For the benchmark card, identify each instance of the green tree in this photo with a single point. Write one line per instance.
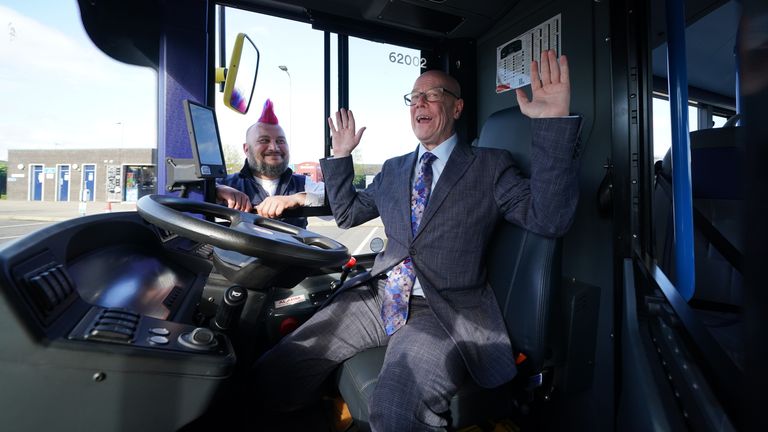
(233, 158)
(359, 181)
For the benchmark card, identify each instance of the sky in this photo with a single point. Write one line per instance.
(58, 91)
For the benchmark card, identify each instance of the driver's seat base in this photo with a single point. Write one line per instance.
(471, 405)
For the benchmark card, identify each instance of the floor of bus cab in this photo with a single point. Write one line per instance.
(330, 414)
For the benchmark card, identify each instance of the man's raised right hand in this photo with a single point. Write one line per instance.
(345, 138)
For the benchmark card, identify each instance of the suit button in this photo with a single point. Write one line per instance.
(412, 251)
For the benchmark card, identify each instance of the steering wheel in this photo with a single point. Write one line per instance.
(248, 233)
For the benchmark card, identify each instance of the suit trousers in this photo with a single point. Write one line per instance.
(422, 367)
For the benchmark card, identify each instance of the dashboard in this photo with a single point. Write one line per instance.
(100, 312)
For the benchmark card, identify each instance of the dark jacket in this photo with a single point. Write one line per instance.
(289, 184)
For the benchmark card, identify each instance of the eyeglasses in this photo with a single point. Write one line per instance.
(431, 95)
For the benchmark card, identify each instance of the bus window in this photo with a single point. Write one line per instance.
(380, 74)
(291, 75)
(718, 120)
(662, 130)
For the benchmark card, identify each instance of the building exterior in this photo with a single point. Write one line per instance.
(106, 175)
(311, 170)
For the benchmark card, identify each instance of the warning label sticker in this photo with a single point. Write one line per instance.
(513, 59)
(290, 300)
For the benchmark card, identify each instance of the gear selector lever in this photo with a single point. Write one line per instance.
(230, 308)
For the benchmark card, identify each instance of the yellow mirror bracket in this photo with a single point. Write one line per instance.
(221, 75)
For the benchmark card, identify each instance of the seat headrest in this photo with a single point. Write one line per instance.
(716, 138)
(717, 163)
(717, 158)
(509, 129)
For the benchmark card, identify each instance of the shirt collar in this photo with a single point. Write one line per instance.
(442, 151)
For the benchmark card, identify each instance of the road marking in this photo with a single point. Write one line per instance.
(365, 242)
(23, 225)
(8, 238)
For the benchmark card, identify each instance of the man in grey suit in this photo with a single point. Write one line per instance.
(453, 325)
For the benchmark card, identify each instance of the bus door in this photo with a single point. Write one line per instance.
(89, 182)
(36, 182)
(63, 182)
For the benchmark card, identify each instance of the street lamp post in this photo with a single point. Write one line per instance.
(122, 134)
(290, 99)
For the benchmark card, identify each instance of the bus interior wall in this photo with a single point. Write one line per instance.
(587, 247)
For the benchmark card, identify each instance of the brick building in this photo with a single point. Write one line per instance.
(84, 174)
(310, 169)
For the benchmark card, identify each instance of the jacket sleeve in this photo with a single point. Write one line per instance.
(349, 206)
(545, 203)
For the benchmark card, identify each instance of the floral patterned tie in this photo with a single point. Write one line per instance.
(397, 290)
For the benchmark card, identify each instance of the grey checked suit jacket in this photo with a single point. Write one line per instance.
(477, 188)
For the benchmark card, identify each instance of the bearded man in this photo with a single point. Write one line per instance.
(266, 184)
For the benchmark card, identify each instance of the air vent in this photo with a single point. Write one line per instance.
(170, 299)
(49, 287)
(410, 15)
(205, 251)
(165, 235)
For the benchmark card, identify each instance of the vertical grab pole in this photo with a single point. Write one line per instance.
(682, 202)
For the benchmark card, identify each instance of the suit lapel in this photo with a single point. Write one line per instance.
(457, 165)
(403, 189)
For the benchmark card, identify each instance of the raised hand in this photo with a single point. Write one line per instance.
(551, 93)
(345, 138)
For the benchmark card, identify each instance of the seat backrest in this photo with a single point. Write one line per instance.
(524, 268)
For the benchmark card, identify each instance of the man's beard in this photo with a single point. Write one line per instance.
(261, 168)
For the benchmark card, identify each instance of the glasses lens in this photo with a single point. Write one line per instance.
(435, 94)
(408, 99)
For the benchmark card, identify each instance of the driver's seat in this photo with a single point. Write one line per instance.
(524, 271)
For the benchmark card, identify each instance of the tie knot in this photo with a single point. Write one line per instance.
(427, 158)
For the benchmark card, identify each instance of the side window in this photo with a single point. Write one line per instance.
(379, 75)
(718, 120)
(662, 129)
(290, 75)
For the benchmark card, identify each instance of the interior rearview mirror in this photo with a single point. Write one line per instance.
(240, 78)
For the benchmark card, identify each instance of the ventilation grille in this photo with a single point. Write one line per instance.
(165, 235)
(410, 15)
(49, 288)
(205, 251)
(170, 299)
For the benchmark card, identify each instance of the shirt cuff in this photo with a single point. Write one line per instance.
(313, 199)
